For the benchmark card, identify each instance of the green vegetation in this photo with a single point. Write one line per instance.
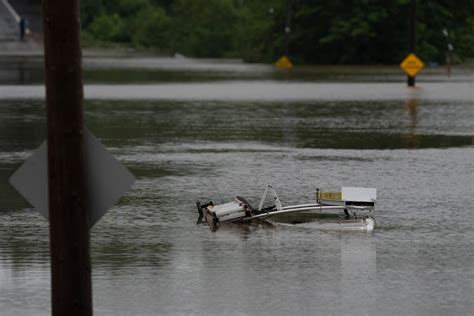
(322, 32)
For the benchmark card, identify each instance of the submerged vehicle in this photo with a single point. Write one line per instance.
(350, 209)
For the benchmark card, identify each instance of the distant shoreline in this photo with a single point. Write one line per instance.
(134, 54)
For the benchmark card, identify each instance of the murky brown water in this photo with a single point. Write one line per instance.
(150, 258)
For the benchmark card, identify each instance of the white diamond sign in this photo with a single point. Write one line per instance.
(107, 179)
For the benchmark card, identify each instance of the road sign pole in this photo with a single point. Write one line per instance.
(411, 79)
(289, 13)
(284, 62)
(68, 216)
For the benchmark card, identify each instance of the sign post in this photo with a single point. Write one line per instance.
(411, 79)
(412, 65)
(71, 179)
(284, 61)
(71, 282)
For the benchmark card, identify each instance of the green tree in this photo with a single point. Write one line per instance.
(90, 9)
(323, 31)
(150, 28)
(203, 28)
(454, 17)
(259, 30)
(107, 27)
(357, 31)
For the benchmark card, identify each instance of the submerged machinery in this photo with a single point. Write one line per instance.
(351, 208)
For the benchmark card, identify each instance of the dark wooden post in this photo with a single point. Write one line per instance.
(68, 216)
(410, 79)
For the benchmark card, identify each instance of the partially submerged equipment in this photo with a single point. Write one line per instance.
(350, 208)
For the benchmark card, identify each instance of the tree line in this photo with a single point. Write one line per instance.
(321, 32)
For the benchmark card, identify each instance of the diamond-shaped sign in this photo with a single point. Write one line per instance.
(284, 63)
(107, 179)
(411, 65)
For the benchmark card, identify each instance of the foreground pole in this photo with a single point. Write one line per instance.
(68, 217)
(410, 79)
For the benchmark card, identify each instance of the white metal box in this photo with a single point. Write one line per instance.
(359, 194)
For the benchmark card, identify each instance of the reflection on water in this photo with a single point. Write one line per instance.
(150, 258)
(410, 106)
(256, 91)
(359, 266)
(357, 125)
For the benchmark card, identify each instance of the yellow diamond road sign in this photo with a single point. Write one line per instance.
(284, 63)
(411, 65)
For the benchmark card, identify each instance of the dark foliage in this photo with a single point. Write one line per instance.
(323, 31)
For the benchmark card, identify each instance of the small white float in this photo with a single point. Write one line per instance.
(349, 209)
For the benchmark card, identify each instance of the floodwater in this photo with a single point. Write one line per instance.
(416, 146)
